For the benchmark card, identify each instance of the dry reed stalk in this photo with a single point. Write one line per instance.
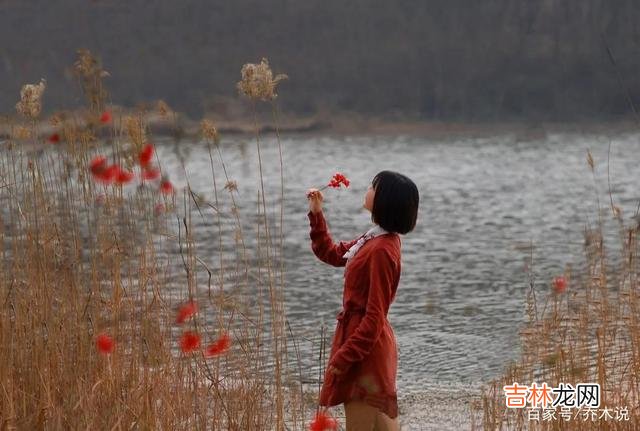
(80, 258)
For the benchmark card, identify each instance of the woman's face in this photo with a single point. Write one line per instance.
(368, 198)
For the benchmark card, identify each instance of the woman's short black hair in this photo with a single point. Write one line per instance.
(395, 203)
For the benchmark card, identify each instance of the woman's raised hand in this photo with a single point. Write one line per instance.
(315, 198)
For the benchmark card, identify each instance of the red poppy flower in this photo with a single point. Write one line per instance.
(189, 342)
(341, 178)
(186, 310)
(219, 346)
(105, 117)
(98, 165)
(105, 344)
(159, 209)
(150, 173)
(54, 138)
(559, 284)
(123, 177)
(101, 171)
(108, 174)
(323, 421)
(145, 155)
(166, 187)
(338, 179)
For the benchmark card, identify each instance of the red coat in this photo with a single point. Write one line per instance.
(364, 345)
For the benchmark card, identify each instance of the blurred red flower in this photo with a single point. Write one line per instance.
(559, 284)
(186, 310)
(108, 174)
(105, 344)
(145, 155)
(323, 421)
(150, 173)
(123, 177)
(98, 164)
(189, 342)
(105, 117)
(219, 346)
(54, 138)
(166, 187)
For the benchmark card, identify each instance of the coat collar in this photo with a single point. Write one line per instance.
(371, 233)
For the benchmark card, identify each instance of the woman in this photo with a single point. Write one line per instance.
(363, 361)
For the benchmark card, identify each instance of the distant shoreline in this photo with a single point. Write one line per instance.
(346, 124)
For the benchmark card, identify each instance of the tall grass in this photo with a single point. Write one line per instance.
(588, 333)
(79, 258)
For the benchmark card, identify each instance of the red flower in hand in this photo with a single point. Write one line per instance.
(339, 178)
(219, 346)
(105, 344)
(105, 117)
(145, 155)
(186, 311)
(336, 180)
(323, 421)
(189, 342)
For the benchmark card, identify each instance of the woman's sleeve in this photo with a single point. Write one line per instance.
(322, 243)
(384, 278)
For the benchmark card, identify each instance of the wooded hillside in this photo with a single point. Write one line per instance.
(436, 59)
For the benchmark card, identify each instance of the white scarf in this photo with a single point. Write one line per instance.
(371, 233)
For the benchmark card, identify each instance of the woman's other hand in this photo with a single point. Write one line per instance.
(315, 198)
(334, 370)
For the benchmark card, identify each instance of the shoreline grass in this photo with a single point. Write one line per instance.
(586, 332)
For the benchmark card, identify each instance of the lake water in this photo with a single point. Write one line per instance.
(482, 200)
